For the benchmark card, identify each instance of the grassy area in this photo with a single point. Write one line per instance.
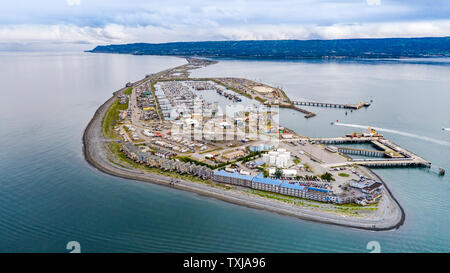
(355, 209)
(343, 174)
(350, 208)
(261, 100)
(190, 160)
(212, 150)
(226, 187)
(354, 205)
(249, 157)
(287, 198)
(110, 118)
(128, 91)
(285, 96)
(308, 167)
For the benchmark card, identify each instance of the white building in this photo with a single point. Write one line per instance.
(279, 158)
(287, 173)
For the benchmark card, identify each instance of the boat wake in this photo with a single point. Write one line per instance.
(425, 138)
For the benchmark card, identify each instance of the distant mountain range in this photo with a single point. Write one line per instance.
(291, 49)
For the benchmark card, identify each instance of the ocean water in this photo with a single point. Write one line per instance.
(49, 195)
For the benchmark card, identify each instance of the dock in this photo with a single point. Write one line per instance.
(307, 113)
(391, 154)
(342, 140)
(363, 152)
(332, 105)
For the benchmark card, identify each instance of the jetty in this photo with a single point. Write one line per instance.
(332, 105)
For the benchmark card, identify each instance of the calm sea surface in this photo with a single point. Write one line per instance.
(49, 195)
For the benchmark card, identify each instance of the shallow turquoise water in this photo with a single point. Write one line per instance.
(49, 195)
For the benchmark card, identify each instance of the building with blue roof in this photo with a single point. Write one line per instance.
(260, 182)
(293, 189)
(295, 186)
(318, 189)
(233, 178)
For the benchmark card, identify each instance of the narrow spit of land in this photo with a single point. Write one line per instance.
(389, 214)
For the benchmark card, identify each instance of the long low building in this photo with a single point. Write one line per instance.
(260, 182)
(232, 178)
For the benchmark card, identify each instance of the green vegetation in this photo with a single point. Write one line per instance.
(352, 208)
(128, 91)
(327, 176)
(226, 187)
(212, 150)
(288, 49)
(307, 167)
(288, 199)
(284, 95)
(261, 100)
(278, 173)
(110, 118)
(270, 195)
(297, 160)
(249, 157)
(310, 177)
(344, 174)
(190, 160)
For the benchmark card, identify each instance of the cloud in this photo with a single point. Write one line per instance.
(115, 33)
(115, 21)
(73, 2)
(373, 2)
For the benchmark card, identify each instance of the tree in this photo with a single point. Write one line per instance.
(327, 176)
(278, 173)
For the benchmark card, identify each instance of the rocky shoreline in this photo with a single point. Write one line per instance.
(390, 215)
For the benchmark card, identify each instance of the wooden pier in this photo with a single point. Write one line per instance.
(342, 140)
(332, 105)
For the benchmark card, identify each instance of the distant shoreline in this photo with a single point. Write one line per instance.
(286, 58)
(371, 48)
(97, 155)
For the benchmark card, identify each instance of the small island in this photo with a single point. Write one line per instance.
(221, 137)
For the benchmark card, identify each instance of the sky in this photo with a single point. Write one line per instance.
(50, 24)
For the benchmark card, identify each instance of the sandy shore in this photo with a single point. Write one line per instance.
(390, 214)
